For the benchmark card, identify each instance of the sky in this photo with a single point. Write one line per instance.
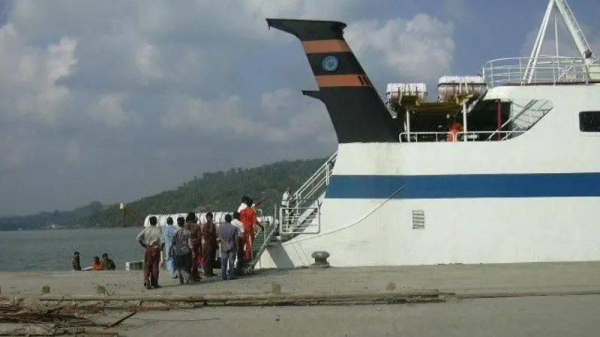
(112, 101)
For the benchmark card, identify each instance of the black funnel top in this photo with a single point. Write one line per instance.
(356, 110)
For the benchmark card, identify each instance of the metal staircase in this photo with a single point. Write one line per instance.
(302, 216)
(525, 119)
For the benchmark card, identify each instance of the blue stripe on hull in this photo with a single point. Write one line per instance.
(466, 186)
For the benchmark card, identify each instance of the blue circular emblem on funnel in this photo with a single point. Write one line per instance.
(330, 63)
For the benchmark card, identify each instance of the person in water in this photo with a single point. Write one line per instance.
(76, 261)
(108, 264)
(97, 265)
(151, 239)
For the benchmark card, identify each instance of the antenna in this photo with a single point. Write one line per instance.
(562, 8)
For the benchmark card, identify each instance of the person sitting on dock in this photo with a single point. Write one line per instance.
(169, 232)
(192, 226)
(107, 264)
(97, 265)
(151, 239)
(209, 245)
(228, 234)
(76, 261)
(181, 252)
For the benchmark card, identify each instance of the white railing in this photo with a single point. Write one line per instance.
(471, 136)
(478, 136)
(425, 137)
(314, 186)
(300, 220)
(303, 206)
(541, 70)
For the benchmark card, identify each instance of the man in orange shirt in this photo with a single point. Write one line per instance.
(249, 219)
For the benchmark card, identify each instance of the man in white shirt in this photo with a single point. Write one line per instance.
(151, 239)
(285, 199)
(240, 244)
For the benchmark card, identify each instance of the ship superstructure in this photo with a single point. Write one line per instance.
(502, 168)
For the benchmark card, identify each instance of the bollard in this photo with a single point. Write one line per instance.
(320, 259)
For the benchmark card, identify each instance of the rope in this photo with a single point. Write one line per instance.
(356, 222)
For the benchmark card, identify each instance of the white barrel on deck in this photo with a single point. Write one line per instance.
(395, 91)
(450, 86)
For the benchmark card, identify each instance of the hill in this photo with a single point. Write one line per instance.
(218, 191)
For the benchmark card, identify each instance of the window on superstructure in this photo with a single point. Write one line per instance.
(589, 121)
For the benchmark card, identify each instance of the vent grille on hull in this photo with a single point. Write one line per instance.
(418, 219)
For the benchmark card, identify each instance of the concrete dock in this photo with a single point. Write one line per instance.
(543, 299)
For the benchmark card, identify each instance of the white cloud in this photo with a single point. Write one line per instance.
(420, 49)
(298, 117)
(146, 58)
(30, 76)
(284, 116)
(108, 110)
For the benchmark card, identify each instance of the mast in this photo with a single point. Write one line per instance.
(562, 9)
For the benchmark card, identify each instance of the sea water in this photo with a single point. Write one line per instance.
(53, 249)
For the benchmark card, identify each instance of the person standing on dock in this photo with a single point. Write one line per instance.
(151, 239)
(191, 225)
(228, 234)
(240, 242)
(249, 219)
(181, 252)
(209, 245)
(169, 233)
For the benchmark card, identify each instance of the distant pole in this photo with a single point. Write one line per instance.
(122, 207)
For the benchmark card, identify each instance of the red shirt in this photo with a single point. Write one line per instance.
(248, 218)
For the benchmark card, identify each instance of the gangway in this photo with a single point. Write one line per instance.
(301, 216)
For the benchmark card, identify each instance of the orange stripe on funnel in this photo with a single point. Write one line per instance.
(343, 81)
(325, 46)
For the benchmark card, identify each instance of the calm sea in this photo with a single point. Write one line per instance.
(53, 249)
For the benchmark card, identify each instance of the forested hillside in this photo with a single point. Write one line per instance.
(218, 191)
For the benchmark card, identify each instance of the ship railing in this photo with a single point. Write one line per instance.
(471, 136)
(543, 70)
(478, 136)
(300, 220)
(425, 137)
(314, 186)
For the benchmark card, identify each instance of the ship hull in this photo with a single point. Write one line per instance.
(534, 198)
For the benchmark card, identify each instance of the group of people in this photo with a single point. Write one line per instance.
(97, 265)
(185, 247)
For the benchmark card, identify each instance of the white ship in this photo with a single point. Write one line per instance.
(503, 168)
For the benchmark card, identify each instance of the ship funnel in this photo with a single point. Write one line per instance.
(357, 112)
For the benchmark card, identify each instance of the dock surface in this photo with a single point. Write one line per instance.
(540, 299)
